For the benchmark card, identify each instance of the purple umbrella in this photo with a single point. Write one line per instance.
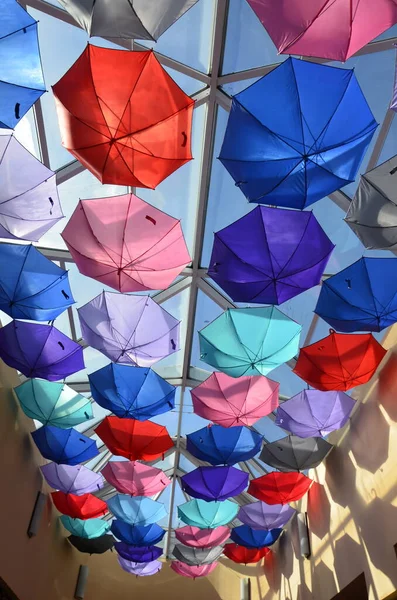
(29, 202)
(314, 413)
(40, 350)
(260, 515)
(140, 569)
(72, 479)
(142, 554)
(214, 483)
(129, 329)
(270, 255)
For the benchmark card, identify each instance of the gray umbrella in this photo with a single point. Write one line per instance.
(197, 556)
(131, 19)
(293, 453)
(372, 214)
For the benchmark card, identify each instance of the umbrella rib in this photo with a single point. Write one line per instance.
(96, 93)
(238, 358)
(255, 267)
(32, 367)
(132, 91)
(384, 309)
(341, 297)
(20, 272)
(299, 106)
(233, 408)
(167, 118)
(246, 349)
(100, 244)
(45, 289)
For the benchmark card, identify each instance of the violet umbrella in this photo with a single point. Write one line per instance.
(133, 247)
(228, 401)
(129, 329)
(215, 483)
(29, 202)
(260, 515)
(269, 255)
(140, 569)
(197, 556)
(142, 554)
(72, 479)
(314, 413)
(39, 350)
(192, 571)
(202, 538)
(135, 478)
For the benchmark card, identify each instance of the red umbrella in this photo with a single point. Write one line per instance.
(242, 555)
(86, 506)
(123, 117)
(339, 361)
(280, 488)
(135, 440)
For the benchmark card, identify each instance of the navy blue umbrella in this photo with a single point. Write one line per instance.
(137, 535)
(223, 446)
(138, 393)
(138, 554)
(64, 446)
(245, 536)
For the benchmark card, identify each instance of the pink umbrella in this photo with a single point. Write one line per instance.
(135, 478)
(202, 538)
(333, 29)
(228, 401)
(192, 571)
(126, 243)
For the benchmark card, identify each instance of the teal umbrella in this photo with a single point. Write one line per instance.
(53, 403)
(207, 515)
(249, 341)
(89, 529)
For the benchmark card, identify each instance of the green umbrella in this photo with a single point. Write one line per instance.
(88, 529)
(207, 515)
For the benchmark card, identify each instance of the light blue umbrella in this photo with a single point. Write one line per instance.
(249, 341)
(88, 529)
(136, 510)
(207, 515)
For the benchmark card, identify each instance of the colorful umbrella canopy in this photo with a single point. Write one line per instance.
(142, 554)
(295, 157)
(324, 28)
(214, 483)
(313, 413)
(31, 286)
(269, 255)
(244, 535)
(136, 535)
(220, 446)
(40, 350)
(202, 538)
(85, 506)
(372, 213)
(133, 439)
(192, 571)
(135, 478)
(242, 555)
(132, 330)
(339, 361)
(135, 511)
(64, 446)
(97, 545)
(134, 247)
(132, 20)
(21, 73)
(138, 393)
(72, 479)
(357, 299)
(197, 556)
(279, 488)
(134, 127)
(140, 569)
(26, 184)
(88, 529)
(294, 453)
(249, 341)
(53, 403)
(207, 515)
(230, 402)
(259, 515)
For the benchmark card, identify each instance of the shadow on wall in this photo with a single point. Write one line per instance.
(318, 510)
(369, 445)
(324, 584)
(387, 387)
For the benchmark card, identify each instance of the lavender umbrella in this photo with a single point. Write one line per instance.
(314, 413)
(143, 554)
(129, 329)
(40, 350)
(29, 202)
(72, 479)
(214, 483)
(260, 515)
(140, 569)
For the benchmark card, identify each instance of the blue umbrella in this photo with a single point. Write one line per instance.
(136, 535)
(31, 286)
(245, 536)
(138, 393)
(64, 446)
(297, 134)
(21, 74)
(138, 554)
(136, 510)
(362, 297)
(223, 446)
(88, 529)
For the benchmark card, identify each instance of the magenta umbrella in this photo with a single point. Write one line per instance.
(202, 538)
(192, 571)
(135, 478)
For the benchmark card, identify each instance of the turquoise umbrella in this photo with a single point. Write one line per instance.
(89, 529)
(136, 510)
(53, 403)
(249, 341)
(207, 515)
